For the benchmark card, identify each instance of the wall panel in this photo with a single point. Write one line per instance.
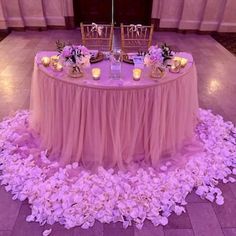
(192, 14)
(32, 12)
(228, 22)
(13, 13)
(213, 13)
(54, 12)
(203, 15)
(170, 13)
(3, 22)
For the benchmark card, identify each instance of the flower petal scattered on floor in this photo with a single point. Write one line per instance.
(47, 232)
(58, 195)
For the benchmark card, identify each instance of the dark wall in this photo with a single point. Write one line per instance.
(125, 11)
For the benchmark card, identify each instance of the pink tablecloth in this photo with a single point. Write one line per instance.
(113, 122)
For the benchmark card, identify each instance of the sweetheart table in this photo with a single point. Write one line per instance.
(113, 122)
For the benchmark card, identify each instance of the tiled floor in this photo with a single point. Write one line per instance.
(217, 91)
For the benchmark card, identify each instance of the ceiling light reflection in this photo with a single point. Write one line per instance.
(7, 88)
(214, 86)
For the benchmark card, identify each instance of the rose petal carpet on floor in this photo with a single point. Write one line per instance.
(74, 196)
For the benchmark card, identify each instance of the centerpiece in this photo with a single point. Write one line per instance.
(75, 58)
(155, 59)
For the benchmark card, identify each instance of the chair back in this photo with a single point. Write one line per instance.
(96, 36)
(136, 37)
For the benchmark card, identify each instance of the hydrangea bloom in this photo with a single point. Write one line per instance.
(154, 56)
(76, 54)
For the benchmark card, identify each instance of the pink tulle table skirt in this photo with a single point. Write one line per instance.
(113, 122)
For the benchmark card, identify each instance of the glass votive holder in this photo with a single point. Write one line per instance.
(96, 73)
(183, 62)
(54, 58)
(45, 61)
(137, 74)
(59, 67)
(174, 69)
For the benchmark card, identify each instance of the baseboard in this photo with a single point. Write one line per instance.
(209, 25)
(189, 24)
(15, 22)
(169, 23)
(35, 21)
(37, 28)
(16, 28)
(55, 20)
(56, 27)
(227, 27)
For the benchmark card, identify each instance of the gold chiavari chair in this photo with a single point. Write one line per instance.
(97, 36)
(136, 37)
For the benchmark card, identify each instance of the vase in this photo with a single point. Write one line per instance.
(157, 71)
(115, 64)
(74, 71)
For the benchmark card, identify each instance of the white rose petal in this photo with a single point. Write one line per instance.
(232, 180)
(220, 200)
(163, 221)
(163, 168)
(210, 197)
(47, 232)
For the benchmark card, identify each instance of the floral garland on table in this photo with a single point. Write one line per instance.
(77, 56)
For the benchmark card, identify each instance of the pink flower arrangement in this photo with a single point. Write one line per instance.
(76, 55)
(153, 56)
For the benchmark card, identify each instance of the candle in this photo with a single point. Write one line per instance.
(54, 58)
(96, 72)
(174, 69)
(59, 67)
(45, 61)
(183, 62)
(180, 60)
(137, 74)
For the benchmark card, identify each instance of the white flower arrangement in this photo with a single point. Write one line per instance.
(157, 55)
(153, 56)
(76, 56)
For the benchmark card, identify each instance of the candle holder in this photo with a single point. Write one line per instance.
(45, 61)
(176, 65)
(96, 73)
(157, 71)
(181, 61)
(54, 58)
(137, 74)
(59, 67)
(174, 69)
(184, 62)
